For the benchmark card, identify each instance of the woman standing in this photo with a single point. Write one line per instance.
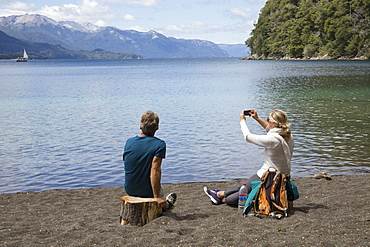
(278, 144)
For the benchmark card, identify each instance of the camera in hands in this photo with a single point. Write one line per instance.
(247, 112)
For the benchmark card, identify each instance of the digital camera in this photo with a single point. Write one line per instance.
(247, 112)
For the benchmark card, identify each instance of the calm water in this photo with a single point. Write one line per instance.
(64, 123)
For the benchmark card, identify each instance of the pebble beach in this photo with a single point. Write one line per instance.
(328, 213)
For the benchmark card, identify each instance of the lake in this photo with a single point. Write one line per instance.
(64, 122)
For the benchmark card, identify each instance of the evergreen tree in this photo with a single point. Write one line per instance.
(311, 28)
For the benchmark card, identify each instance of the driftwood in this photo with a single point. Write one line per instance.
(322, 175)
(138, 211)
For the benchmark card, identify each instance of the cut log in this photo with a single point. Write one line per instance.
(138, 211)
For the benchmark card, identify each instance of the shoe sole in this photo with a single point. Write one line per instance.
(211, 197)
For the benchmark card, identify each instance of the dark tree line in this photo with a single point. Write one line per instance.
(312, 28)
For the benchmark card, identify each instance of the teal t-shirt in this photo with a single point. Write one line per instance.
(138, 156)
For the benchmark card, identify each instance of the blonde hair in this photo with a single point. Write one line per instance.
(149, 122)
(281, 119)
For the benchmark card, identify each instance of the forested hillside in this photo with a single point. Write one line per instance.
(11, 48)
(312, 28)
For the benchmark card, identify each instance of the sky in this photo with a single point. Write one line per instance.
(219, 21)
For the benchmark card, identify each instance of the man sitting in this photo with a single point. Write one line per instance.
(142, 157)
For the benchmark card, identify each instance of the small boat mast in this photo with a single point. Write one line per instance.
(24, 58)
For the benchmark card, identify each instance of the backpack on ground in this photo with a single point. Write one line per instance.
(270, 197)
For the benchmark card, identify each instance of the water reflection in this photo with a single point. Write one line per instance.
(330, 116)
(65, 126)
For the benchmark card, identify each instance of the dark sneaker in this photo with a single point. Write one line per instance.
(171, 199)
(212, 194)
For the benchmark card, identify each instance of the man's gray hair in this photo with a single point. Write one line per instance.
(149, 123)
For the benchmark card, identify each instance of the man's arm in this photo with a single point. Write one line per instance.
(155, 180)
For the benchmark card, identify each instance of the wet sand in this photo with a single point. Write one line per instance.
(328, 213)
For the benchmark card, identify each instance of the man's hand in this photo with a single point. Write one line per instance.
(155, 180)
(162, 203)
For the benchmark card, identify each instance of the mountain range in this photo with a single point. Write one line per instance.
(69, 37)
(11, 48)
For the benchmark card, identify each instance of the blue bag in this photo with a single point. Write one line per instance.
(292, 191)
(249, 203)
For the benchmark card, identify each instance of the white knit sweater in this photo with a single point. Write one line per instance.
(278, 152)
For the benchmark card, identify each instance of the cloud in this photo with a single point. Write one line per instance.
(139, 29)
(255, 1)
(197, 27)
(88, 11)
(193, 27)
(129, 17)
(16, 8)
(100, 23)
(146, 3)
(15, 5)
(240, 12)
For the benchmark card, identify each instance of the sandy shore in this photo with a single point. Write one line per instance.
(329, 213)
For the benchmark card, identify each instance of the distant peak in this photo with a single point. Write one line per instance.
(83, 27)
(31, 20)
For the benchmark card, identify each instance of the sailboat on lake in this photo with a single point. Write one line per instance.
(24, 58)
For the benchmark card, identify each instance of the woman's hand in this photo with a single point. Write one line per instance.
(242, 116)
(253, 114)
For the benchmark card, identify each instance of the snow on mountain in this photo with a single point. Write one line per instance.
(83, 27)
(91, 27)
(86, 36)
(28, 20)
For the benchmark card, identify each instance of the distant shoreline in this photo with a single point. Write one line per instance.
(325, 57)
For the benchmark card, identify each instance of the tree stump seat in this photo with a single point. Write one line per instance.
(138, 211)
